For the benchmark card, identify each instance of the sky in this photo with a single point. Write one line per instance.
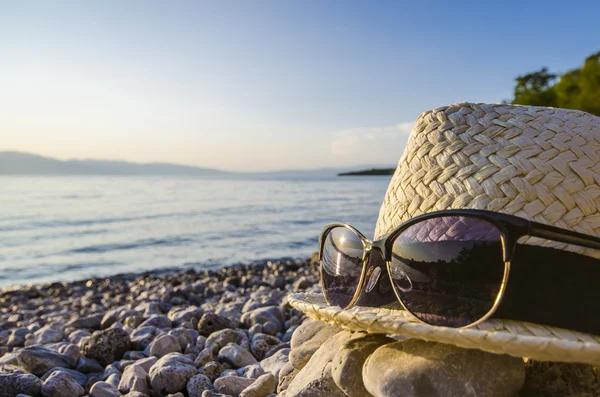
(263, 85)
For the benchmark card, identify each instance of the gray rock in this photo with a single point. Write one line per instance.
(135, 394)
(236, 356)
(12, 384)
(312, 331)
(112, 316)
(39, 359)
(184, 336)
(47, 334)
(219, 339)
(71, 351)
(211, 393)
(17, 337)
(315, 378)
(232, 385)
(164, 344)
(158, 321)
(265, 315)
(143, 336)
(347, 364)
(211, 322)
(274, 363)
(134, 378)
(114, 379)
(78, 377)
(171, 373)
(88, 366)
(251, 371)
(89, 322)
(59, 384)
(107, 346)
(307, 339)
(261, 387)
(104, 389)
(421, 368)
(146, 363)
(198, 384)
(203, 357)
(9, 359)
(261, 344)
(212, 369)
(180, 314)
(286, 376)
(78, 335)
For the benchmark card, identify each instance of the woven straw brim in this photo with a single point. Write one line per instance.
(515, 338)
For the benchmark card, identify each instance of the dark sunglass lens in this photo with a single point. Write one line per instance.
(448, 270)
(341, 265)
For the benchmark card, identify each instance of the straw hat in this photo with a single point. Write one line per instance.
(538, 163)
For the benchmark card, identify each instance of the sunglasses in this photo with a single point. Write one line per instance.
(447, 268)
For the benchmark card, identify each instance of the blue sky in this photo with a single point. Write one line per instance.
(263, 85)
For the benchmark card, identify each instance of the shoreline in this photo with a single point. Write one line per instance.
(90, 331)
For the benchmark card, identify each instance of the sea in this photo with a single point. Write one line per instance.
(59, 229)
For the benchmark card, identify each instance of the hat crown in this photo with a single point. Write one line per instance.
(538, 163)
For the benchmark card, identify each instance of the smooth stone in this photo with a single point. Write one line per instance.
(261, 344)
(347, 365)
(146, 363)
(89, 322)
(236, 356)
(286, 376)
(180, 314)
(198, 384)
(71, 351)
(47, 334)
(88, 366)
(59, 384)
(262, 386)
(205, 356)
(211, 393)
(313, 331)
(12, 384)
(164, 344)
(78, 335)
(107, 346)
(39, 359)
(158, 321)
(114, 379)
(171, 373)
(217, 340)
(184, 336)
(104, 389)
(211, 322)
(264, 315)
(135, 394)
(251, 371)
(75, 375)
(212, 369)
(143, 336)
(232, 385)
(17, 337)
(134, 378)
(9, 359)
(421, 368)
(274, 363)
(315, 378)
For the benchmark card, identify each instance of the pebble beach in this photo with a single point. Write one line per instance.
(232, 332)
(191, 333)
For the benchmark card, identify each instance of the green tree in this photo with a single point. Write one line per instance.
(576, 89)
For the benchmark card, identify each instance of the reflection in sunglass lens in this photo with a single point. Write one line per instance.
(448, 270)
(341, 265)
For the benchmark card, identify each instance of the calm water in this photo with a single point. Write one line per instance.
(67, 228)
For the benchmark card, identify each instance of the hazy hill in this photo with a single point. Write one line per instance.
(18, 163)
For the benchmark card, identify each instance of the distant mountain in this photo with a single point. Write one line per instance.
(18, 163)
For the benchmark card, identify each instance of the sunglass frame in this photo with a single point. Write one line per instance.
(511, 229)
